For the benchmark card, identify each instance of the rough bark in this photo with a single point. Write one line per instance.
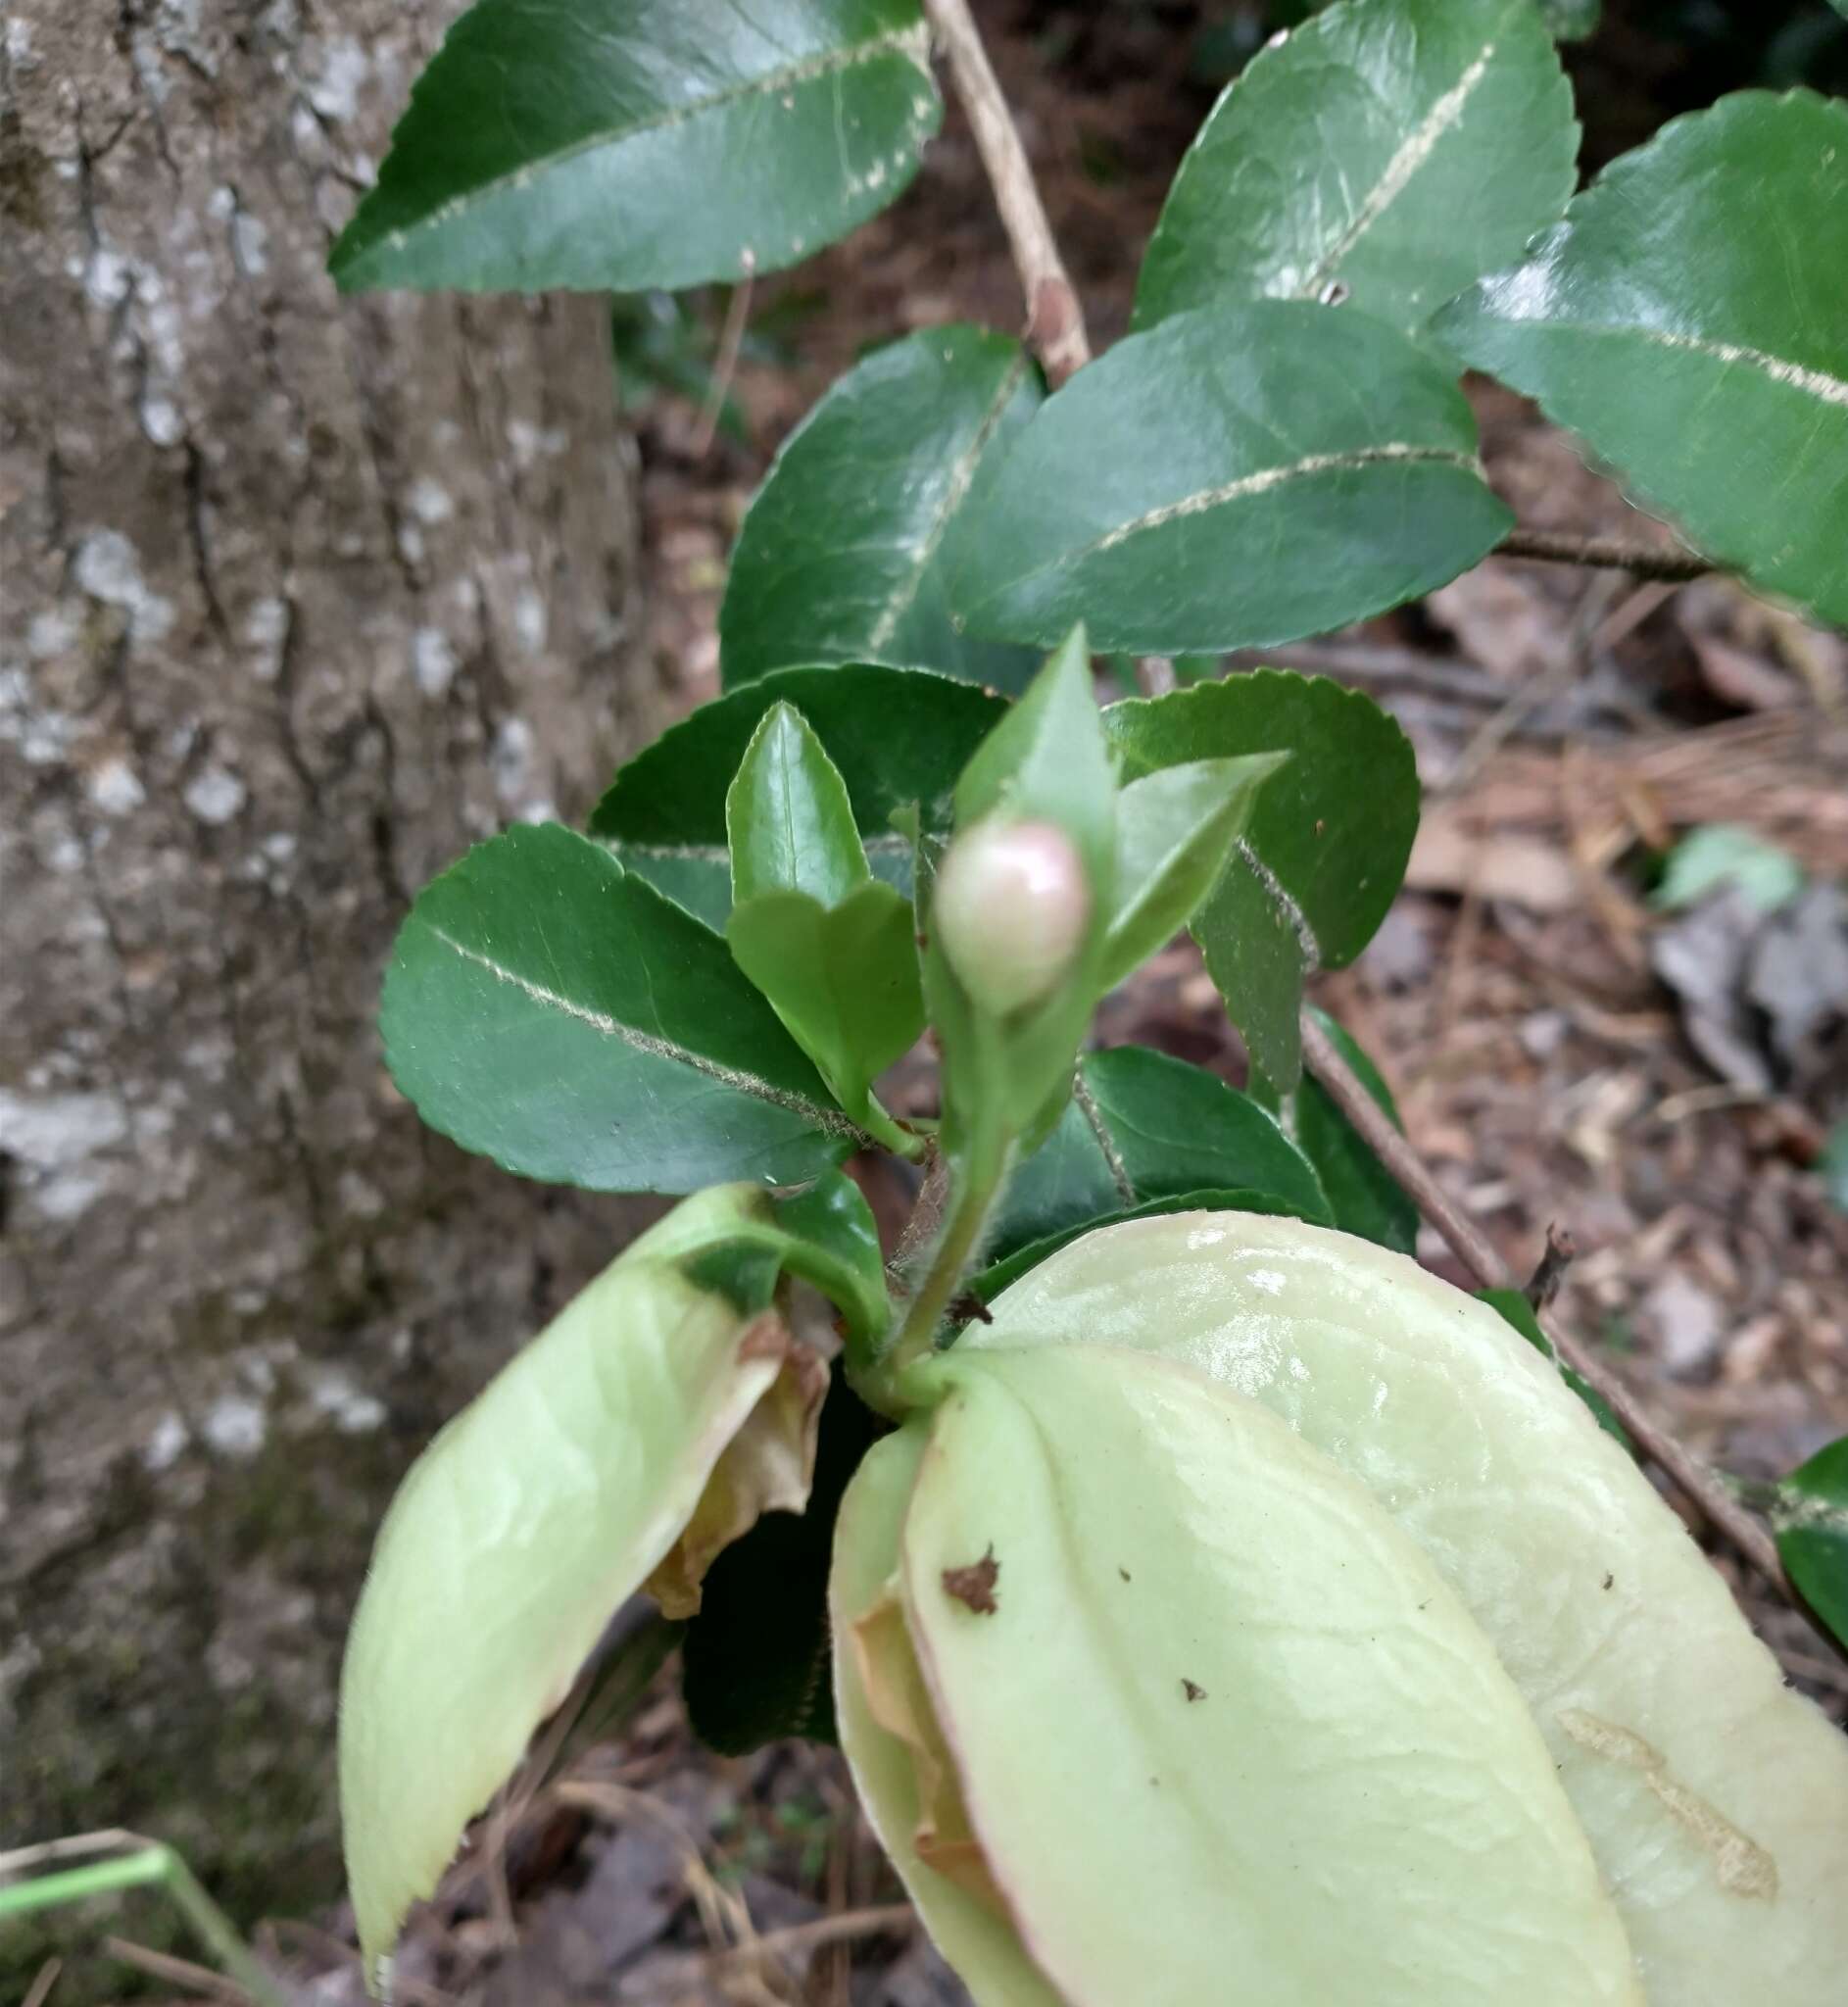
(301, 596)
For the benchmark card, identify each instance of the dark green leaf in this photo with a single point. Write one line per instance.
(1689, 321)
(990, 1282)
(1385, 155)
(627, 143)
(1241, 474)
(896, 736)
(555, 1013)
(831, 1240)
(788, 820)
(1811, 1518)
(1174, 830)
(838, 560)
(1834, 1166)
(1519, 1313)
(1363, 1195)
(755, 1661)
(1324, 852)
(844, 979)
(1141, 1125)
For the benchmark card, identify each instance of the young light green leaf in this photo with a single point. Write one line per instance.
(1287, 1718)
(896, 736)
(1382, 156)
(1811, 1518)
(1725, 853)
(1325, 849)
(889, 452)
(1174, 830)
(596, 1460)
(1241, 474)
(844, 979)
(788, 817)
(1709, 1792)
(562, 143)
(754, 1662)
(1364, 1197)
(555, 1013)
(1673, 323)
(1141, 1126)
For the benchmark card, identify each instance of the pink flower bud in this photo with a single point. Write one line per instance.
(1010, 909)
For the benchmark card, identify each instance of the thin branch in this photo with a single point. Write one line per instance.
(1155, 674)
(731, 342)
(1704, 1487)
(1647, 560)
(1055, 321)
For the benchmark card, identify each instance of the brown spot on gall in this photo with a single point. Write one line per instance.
(1192, 1691)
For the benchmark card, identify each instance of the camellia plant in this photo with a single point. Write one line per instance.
(1211, 1604)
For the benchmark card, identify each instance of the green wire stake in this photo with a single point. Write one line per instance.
(151, 1865)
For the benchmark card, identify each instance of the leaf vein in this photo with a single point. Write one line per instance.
(913, 41)
(828, 1120)
(1413, 152)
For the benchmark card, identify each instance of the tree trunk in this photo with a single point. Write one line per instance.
(301, 597)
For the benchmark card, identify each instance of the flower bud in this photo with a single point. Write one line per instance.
(1010, 908)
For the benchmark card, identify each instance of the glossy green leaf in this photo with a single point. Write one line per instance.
(844, 979)
(1364, 1197)
(896, 736)
(788, 819)
(1143, 1125)
(1241, 474)
(1811, 1518)
(1044, 762)
(1712, 1796)
(1175, 828)
(754, 1660)
(539, 1507)
(1512, 1305)
(1689, 322)
(1222, 1730)
(839, 559)
(1326, 847)
(1382, 156)
(551, 1010)
(592, 145)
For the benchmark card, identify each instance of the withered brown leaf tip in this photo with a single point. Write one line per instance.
(975, 1584)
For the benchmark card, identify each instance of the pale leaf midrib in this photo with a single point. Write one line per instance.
(754, 1085)
(1106, 1141)
(1815, 383)
(955, 490)
(912, 40)
(1407, 159)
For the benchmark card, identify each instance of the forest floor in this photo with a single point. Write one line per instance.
(1563, 1051)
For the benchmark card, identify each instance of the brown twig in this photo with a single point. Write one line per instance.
(731, 342)
(1055, 321)
(1703, 1486)
(39, 1992)
(1646, 561)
